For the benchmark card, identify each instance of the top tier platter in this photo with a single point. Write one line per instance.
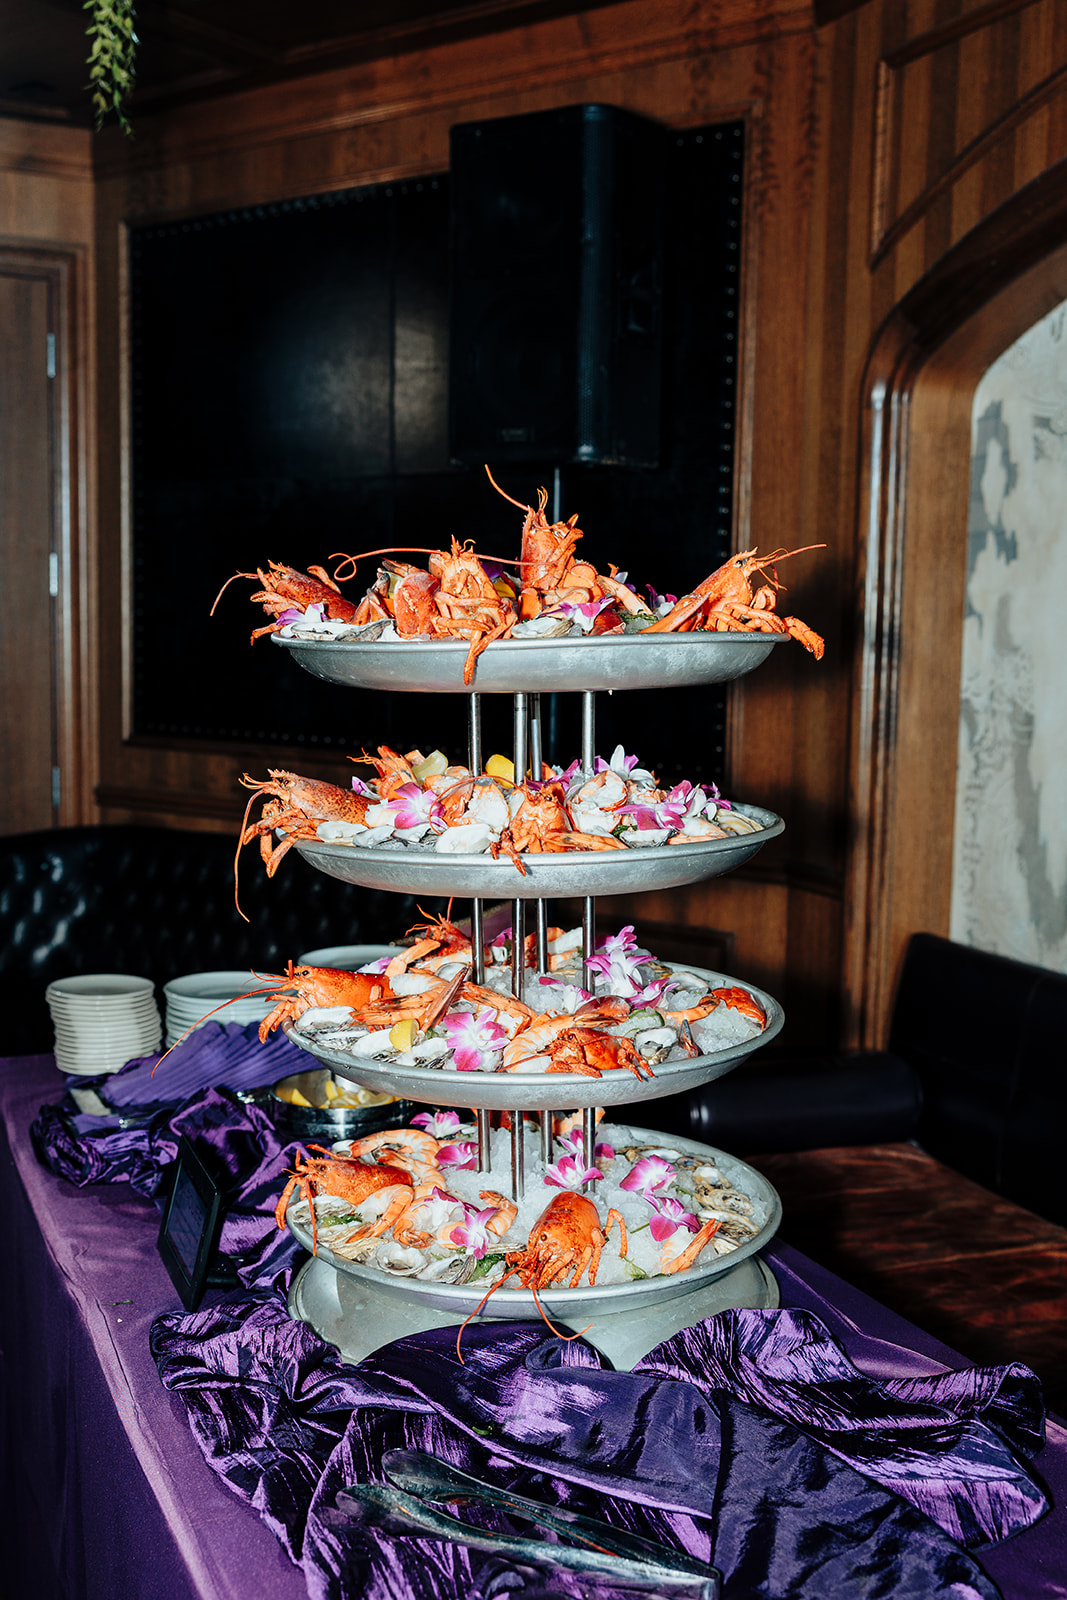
(531, 666)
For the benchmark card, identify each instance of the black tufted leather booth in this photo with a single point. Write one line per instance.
(158, 902)
(976, 1073)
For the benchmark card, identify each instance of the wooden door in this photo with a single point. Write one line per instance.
(29, 549)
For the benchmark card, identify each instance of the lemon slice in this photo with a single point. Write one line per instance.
(433, 766)
(501, 767)
(402, 1034)
(332, 1090)
(294, 1097)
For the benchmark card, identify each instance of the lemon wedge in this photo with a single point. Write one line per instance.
(432, 767)
(332, 1090)
(402, 1034)
(294, 1097)
(501, 767)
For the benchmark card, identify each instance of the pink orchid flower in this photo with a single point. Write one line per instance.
(473, 1233)
(437, 1123)
(294, 614)
(667, 1217)
(647, 1175)
(570, 1174)
(463, 1156)
(585, 613)
(416, 807)
(574, 1142)
(474, 1037)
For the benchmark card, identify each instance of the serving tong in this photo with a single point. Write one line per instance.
(597, 1550)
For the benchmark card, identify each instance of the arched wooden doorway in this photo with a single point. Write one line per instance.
(919, 387)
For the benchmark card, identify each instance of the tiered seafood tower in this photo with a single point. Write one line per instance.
(360, 1308)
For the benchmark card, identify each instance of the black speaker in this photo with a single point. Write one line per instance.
(556, 288)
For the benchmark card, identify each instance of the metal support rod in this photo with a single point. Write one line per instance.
(536, 741)
(521, 745)
(542, 935)
(484, 1138)
(477, 941)
(588, 732)
(518, 947)
(589, 1134)
(518, 1156)
(588, 942)
(546, 1138)
(474, 734)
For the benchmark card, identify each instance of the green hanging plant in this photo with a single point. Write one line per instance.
(111, 59)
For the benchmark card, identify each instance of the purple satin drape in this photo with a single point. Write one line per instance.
(284, 1422)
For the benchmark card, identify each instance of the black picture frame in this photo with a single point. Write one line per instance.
(189, 1231)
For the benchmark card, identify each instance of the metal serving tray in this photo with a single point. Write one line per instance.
(539, 1091)
(643, 1295)
(576, 872)
(529, 666)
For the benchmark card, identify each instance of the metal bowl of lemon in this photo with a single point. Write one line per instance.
(313, 1105)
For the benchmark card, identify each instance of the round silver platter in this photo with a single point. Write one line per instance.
(357, 1318)
(529, 666)
(583, 1301)
(539, 1091)
(573, 872)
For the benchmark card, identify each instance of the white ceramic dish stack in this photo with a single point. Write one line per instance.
(102, 1020)
(192, 999)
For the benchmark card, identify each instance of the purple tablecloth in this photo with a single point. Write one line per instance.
(109, 1491)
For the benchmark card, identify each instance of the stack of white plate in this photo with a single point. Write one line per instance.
(192, 999)
(102, 1020)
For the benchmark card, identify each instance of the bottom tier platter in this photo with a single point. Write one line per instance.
(357, 1317)
(359, 1307)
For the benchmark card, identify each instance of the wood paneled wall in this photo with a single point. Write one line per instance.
(875, 145)
(47, 228)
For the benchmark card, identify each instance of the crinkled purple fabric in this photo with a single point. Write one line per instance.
(287, 1426)
(939, 1442)
(238, 1145)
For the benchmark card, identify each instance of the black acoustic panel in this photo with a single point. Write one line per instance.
(557, 271)
(210, 500)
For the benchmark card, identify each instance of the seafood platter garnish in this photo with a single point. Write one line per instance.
(423, 803)
(408, 1202)
(419, 1009)
(552, 594)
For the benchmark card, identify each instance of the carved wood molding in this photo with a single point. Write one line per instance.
(886, 230)
(1005, 275)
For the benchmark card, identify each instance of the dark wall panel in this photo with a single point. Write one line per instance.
(290, 400)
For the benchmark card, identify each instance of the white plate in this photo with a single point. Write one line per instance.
(345, 957)
(100, 986)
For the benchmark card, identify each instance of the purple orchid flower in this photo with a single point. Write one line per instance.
(417, 808)
(474, 1036)
(438, 1124)
(618, 962)
(658, 599)
(667, 1217)
(647, 1175)
(584, 613)
(359, 787)
(463, 1156)
(567, 1173)
(575, 1144)
(473, 1233)
(620, 762)
(294, 614)
(569, 997)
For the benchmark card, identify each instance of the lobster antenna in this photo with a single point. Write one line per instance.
(503, 492)
(286, 979)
